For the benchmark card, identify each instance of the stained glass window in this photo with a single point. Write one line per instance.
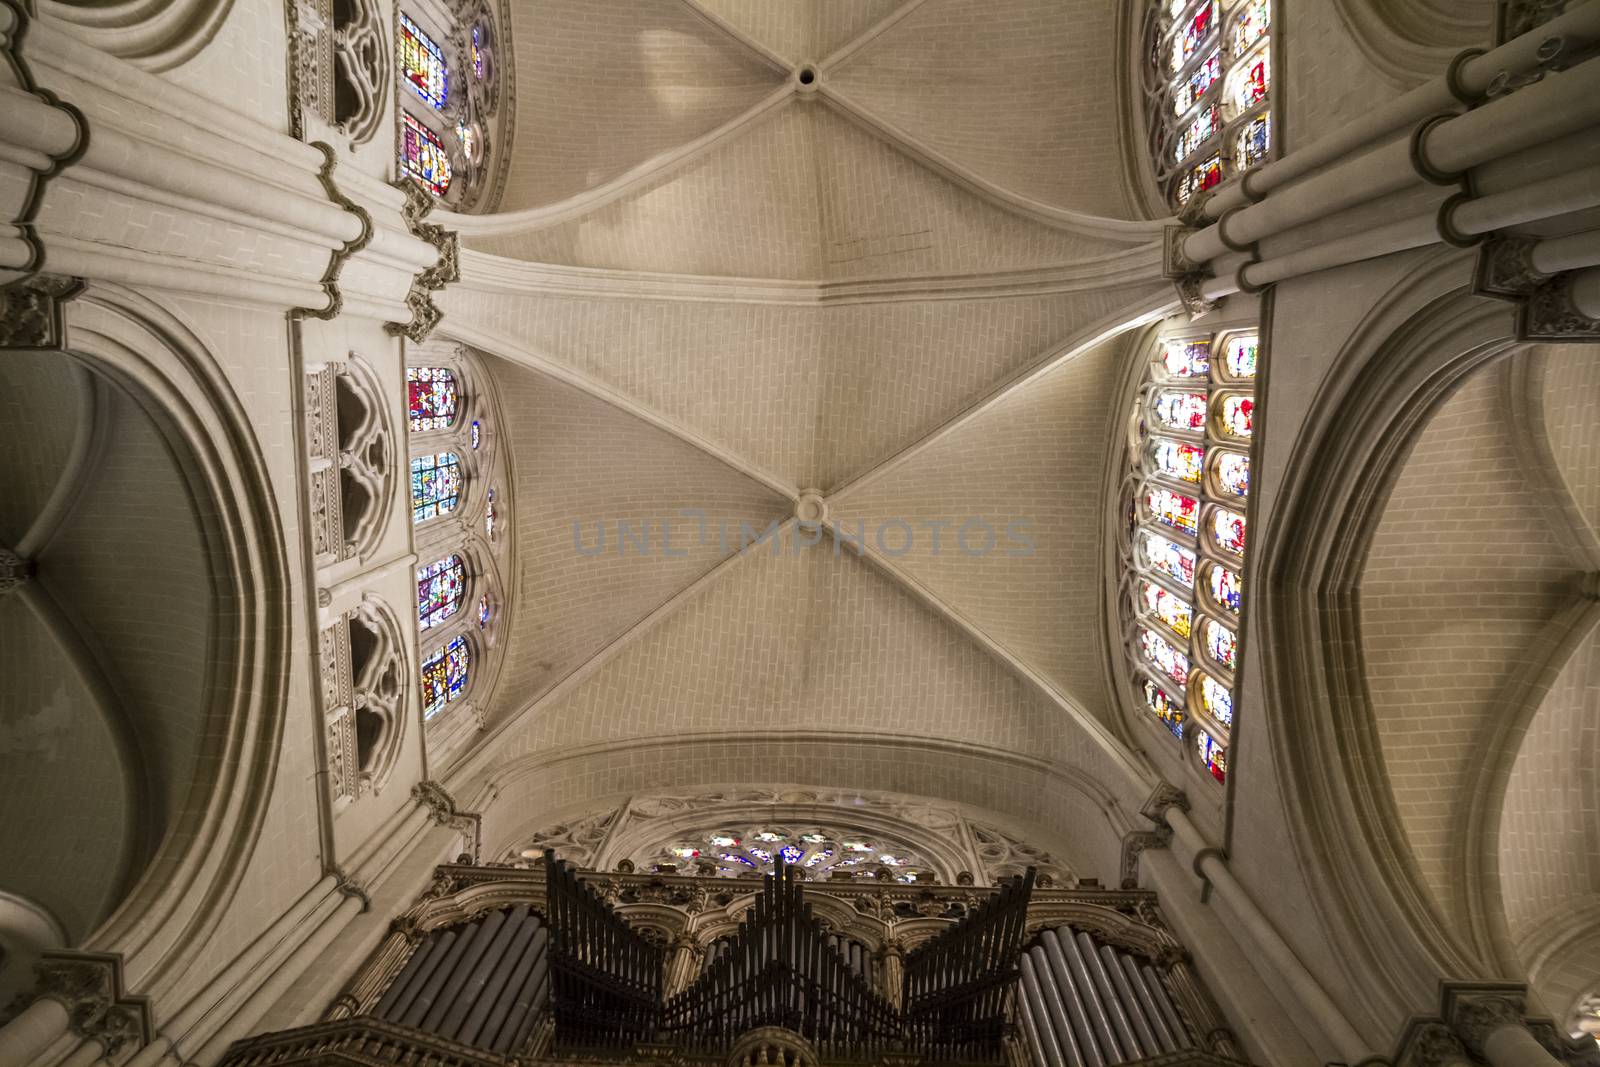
(1217, 699)
(1159, 651)
(1226, 587)
(1222, 644)
(1250, 25)
(440, 587)
(1168, 557)
(1167, 606)
(477, 53)
(1233, 473)
(1198, 82)
(1238, 416)
(483, 611)
(1181, 410)
(1239, 357)
(1202, 177)
(1187, 359)
(1227, 528)
(1254, 141)
(444, 675)
(491, 515)
(822, 852)
(435, 485)
(1173, 509)
(1199, 27)
(1178, 459)
(1201, 129)
(1212, 755)
(422, 63)
(468, 140)
(477, 433)
(424, 158)
(433, 398)
(1157, 700)
(1253, 83)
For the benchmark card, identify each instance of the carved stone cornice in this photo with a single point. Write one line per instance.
(89, 986)
(31, 311)
(442, 809)
(1549, 313)
(336, 262)
(425, 315)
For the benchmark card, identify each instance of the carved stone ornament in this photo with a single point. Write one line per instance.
(1165, 795)
(1174, 264)
(424, 314)
(89, 986)
(1194, 301)
(771, 1046)
(1134, 845)
(1551, 314)
(30, 311)
(1430, 1044)
(1505, 268)
(14, 570)
(441, 806)
(1476, 1017)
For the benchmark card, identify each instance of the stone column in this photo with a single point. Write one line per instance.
(683, 965)
(893, 957)
(1490, 1024)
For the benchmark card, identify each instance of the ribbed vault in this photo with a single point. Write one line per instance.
(731, 293)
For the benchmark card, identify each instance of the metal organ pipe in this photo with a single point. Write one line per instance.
(1037, 1021)
(1131, 1003)
(1073, 997)
(1056, 1009)
(1108, 996)
(1158, 1021)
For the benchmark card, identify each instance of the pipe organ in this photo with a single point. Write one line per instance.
(499, 967)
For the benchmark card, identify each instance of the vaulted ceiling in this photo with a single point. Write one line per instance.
(895, 292)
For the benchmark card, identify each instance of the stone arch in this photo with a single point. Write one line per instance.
(1400, 365)
(198, 856)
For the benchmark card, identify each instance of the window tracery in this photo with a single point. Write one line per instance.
(1186, 482)
(449, 99)
(454, 507)
(822, 852)
(350, 445)
(1207, 87)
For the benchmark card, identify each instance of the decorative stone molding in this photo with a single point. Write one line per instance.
(1165, 795)
(1134, 844)
(1194, 301)
(1174, 263)
(442, 809)
(424, 314)
(1429, 1043)
(349, 887)
(340, 256)
(310, 62)
(1550, 314)
(338, 702)
(771, 1046)
(1505, 268)
(1474, 1016)
(31, 311)
(14, 570)
(349, 443)
(89, 986)
(365, 69)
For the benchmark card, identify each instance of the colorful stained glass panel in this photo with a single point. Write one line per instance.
(1173, 509)
(491, 516)
(1186, 359)
(1159, 651)
(422, 64)
(1255, 140)
(1238, 416)
(477, 53)
(1168, 557)
(433, 398)
(440, 587)
(1168, 607)
(1227, 530)
(1239, 357)
(1253, 82)
(1178, 459)
(435, 485)
(1222, 644)
(1165, 709)
(1250, 25)
(1233, 473)
(1226, 587)
(1180, 410)
(1195, 86)
(1200, 130)
(1194, 33)
(483, 611)
(424, 159)
(1212, 755)
(1217, 699)
(444, 676)
(1203, 176)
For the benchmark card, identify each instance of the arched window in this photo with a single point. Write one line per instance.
(1207, 81)
(444, 675)
(434, 399)
(1187, 480)
(821, 852)
(441, 586)
(422, 64)
(435, 485)
(425, 158)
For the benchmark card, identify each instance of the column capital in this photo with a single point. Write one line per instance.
(1134, 844)
(1475, 1010)
(1165, 795)
(89, 985)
